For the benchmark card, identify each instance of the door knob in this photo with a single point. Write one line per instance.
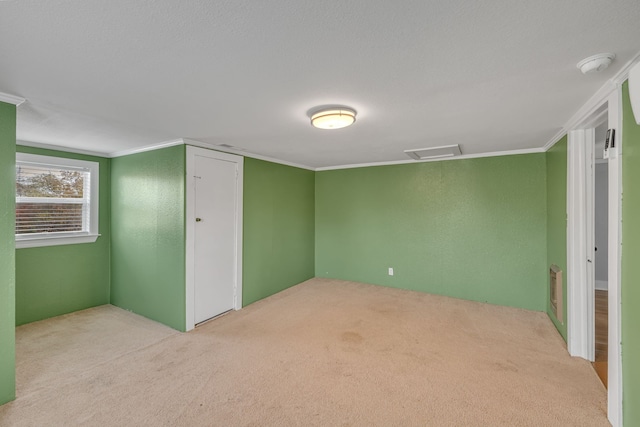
(198, 219)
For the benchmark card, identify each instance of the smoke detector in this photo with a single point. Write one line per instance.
(596, 63)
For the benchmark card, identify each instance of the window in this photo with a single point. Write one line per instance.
(56, 201)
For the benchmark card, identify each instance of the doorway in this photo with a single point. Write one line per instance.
(214, 234)
(581, 283)
(601, 233)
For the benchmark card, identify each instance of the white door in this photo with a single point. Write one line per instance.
(214, 236)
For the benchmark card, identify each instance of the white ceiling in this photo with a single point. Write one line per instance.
(108, 76)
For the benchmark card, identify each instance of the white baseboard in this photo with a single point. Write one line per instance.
(602, 285)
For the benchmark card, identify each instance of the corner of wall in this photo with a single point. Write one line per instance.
(148, 234)
(7, 252)
(556, 185)
(51, 290)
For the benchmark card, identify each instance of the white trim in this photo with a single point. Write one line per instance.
(44, 146)
(57, 200)
(237, 297)
(192, 152)
(55, 241)
(11, 99)
(159, 146)
(598, 117)
(623, 74)
(576, 303)
(590, 236)
(243, 153)
(580, 314)
(554, 139)
(150, 147)
(587, 110)
(200, 144)
(462, 157)
(195, 143)
(614, 388)
(599, 98)
(190, 232)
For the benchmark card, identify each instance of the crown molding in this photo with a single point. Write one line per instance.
(587, 109)
(44, 146)
(196, 143)
(149, 147)
(11, 99)
(594, 102)
(243, 153)
(623, 74)
(442, 159)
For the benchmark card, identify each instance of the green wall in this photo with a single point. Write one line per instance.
(472, 229)
(148, 234)
(278, 229)
(557, 222)
(55, 280)
(630, 293)
(7, 252)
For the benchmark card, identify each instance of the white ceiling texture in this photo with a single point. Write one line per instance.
(110, 76)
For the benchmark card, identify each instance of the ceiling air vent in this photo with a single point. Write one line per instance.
(434, 152)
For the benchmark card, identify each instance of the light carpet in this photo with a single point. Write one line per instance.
(325, 352)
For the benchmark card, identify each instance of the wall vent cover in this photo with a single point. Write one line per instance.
(434, 152)
(555, 292)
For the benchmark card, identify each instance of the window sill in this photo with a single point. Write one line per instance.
(55, 241)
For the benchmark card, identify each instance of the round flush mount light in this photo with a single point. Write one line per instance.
(333, 118)
(596, 63)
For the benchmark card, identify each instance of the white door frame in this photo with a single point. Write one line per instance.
(580, 298)
(190, 217)
(614, 386)
(580, 278)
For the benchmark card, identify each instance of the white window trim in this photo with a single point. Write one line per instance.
(26, 241)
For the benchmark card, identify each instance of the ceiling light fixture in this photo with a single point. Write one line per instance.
(333, 118)
(596, 63)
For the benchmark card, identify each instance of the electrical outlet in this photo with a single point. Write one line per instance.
(390, 271)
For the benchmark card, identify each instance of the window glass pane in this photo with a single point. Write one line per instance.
(32, 181)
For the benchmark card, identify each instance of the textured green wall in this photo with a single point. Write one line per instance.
(472, 229)
(7, 252)
(148, 234)
(55, 280)
(278, 229)
(630, 294)
(557, 221)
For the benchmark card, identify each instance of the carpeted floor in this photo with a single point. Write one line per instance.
(325, 352)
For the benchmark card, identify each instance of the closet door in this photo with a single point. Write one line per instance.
(214, 220)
